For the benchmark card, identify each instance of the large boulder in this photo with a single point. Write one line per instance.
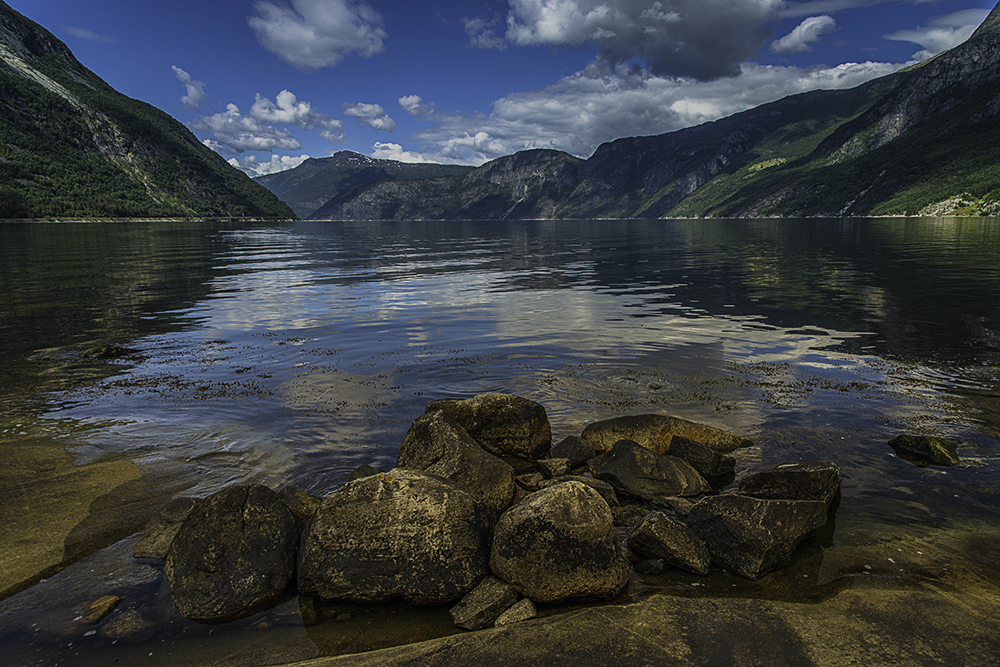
(655, 432)
(754, 536)
(926, 450)
(439, 446)
(662, 536)
(636, 471)
(501, 423)
(818, 480)
(559, 543)
(398, 535)
(233, 555)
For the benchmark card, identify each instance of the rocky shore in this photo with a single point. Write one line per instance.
(484, 514)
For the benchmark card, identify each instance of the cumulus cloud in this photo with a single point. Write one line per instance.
(582, 111)
(89, 35)
(372, 115)
(231, 132)
(195, 94)
(804, 34)
(943, 32)
(414, 105)
(254, 167)
(387, 151)
(312, 34)
(679, 38)
(483, 33)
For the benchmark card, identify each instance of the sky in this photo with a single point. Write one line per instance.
(270, 83)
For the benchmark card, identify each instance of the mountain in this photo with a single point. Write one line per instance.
(317, 180)
(922, 140)
(72, 146)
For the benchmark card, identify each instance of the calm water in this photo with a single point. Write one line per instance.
(292, 354)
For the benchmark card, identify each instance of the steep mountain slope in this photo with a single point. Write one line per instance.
(317, 180)
(923, 139)
(72, 146)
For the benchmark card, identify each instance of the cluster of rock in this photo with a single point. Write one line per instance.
(482, 509)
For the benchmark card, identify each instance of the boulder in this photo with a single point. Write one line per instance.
(754, 536)
(819, 480)
(655, 432)
(481, 606)
(501, 423)
(636, 471)
(606, 490)
(522, 611)
(553, 467)
(574, 449)
(630, 516)
(302, 505)
(437, 445)
(926, 450)
(715, 467)
(678, 507)
(559, 544)
(404, 535)
(233, 555)
(160, 530)
(662, 537)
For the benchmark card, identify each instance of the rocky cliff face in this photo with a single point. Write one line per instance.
(72, 146)
(899, 144)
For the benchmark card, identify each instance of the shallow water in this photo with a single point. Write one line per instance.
(291, 354)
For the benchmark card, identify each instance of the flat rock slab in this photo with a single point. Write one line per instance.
(233, 555)
(501, 423)
(398, 535)
(655, 432)
(819, 480)
(639, 472)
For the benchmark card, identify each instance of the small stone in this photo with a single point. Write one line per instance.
(522, 611)
(531, 481)
(129, 625)
(481, 606)
(95, 610)
(553, 467)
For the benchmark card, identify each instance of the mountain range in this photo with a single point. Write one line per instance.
(925, 140)
(72, 146)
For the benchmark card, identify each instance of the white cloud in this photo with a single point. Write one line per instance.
(311, 34)
(89, 35)
(372, 115)
(482, 33)
(586, 109)
(943, 32)
(254, 167)
(287, 110)
(804, 34)
(680, 38)
(195, 94)
(387, 151)
(414, 105)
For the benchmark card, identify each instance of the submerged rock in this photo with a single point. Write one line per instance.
(559, 543)
(501, 423)
(662, 537)
(925, 450)
(753, 536)
(160, 531)
(656, 433)
(404, 535)
(818, 480)
(233, 555)
(437, 445)
(636, 471)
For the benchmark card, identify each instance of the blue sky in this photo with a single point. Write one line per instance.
(267, 83)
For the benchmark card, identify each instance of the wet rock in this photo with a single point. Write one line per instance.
(606, 490)
(399, 535)
(105, 352)
(574, 449)
(233, 555)
(553, 467)
(753, 536)
(656, 432)
(667, 538)
(639, 472)
(438, 446)
(678, 507)
(361, 472)
(819, 480)
(532, 481)
(302, 505)
(501, 423)
(128, 625)
(481, 606)
(630, 516)
(162, 528)
(715, 467)
(95, 610)
(522, 611)
(926, 450)
(558, 544)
